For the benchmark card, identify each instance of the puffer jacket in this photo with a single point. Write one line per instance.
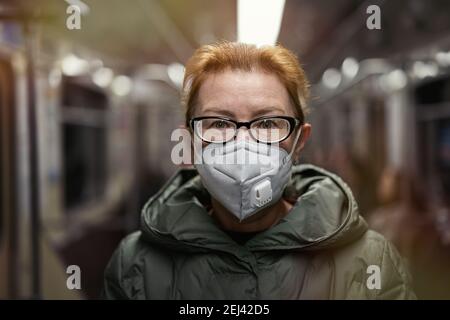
(321, 250)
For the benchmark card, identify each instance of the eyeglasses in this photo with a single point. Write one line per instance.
(269, 129)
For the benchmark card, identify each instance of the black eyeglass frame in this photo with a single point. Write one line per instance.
(293, 124)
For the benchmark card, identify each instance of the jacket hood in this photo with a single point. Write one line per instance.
(325, 215)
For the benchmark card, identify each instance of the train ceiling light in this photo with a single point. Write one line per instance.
(331, 78)
(121, 85)
(259, 21)
(421, 69)
(443, 58)
(394, 80)
(350, 68)
(74, 66)
(175, 71)
(171, 74)
(103, 77)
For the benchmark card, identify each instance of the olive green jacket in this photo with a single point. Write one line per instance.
(321, 250)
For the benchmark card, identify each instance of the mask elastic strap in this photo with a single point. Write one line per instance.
(295, 142)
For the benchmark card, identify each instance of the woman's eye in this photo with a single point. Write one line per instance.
(267, 124)
(220, 124)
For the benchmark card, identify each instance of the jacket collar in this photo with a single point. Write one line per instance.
(324, 216)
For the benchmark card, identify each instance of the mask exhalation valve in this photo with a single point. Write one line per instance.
(262, 193)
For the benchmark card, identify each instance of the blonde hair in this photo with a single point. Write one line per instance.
(220, 56)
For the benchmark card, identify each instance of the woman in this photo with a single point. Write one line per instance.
(266, 229)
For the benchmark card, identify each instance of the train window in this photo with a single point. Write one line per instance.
(435, 158)
(433, 98)
(7, 148)
(84, 140)
(2, 178)
(84, 163)
(434, 91)
(443, 156)
(82, 96)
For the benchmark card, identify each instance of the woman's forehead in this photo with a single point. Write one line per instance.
(243, 93)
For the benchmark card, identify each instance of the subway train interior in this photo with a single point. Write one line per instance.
(90, 96)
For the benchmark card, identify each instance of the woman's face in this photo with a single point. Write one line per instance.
(244, 96)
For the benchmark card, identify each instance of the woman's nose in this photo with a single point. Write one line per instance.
(243, 134)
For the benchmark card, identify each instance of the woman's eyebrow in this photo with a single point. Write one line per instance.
(269, 109)
(258, 112)
(219, 111)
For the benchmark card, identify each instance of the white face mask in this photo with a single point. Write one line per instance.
(245, 176)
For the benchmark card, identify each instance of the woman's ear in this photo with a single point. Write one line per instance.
(304, 136)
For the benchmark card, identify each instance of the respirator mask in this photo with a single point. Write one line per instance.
(245, 176)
